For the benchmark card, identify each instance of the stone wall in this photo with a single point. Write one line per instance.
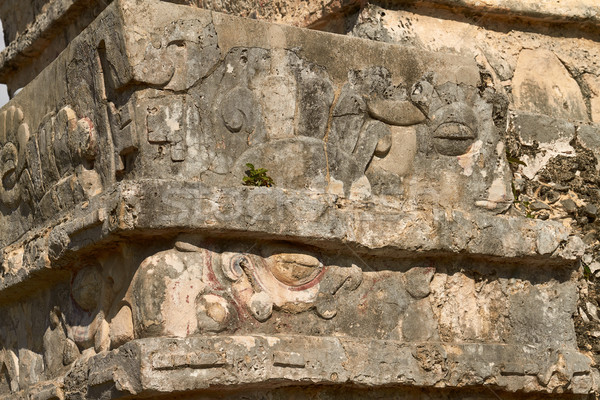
(545, 63)
(427, 226)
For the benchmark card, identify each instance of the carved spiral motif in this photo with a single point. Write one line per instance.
(233, 266)
(238, 110)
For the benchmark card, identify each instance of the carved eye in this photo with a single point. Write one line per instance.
(234, 267)
(294, 269)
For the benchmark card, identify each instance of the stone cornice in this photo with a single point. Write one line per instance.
(36, 46)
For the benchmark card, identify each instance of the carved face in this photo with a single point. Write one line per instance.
(286, 279)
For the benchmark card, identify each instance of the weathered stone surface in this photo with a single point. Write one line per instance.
(551, 136)
(281, 358)
(593, 82)
(137, 262)
(37, 31)
(542, 84)
(589, 137)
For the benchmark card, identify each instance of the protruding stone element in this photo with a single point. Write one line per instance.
(121, 327)
(326, 306)
(261, 306)
(454, 129)
(417, 281)
(31, 367)
(395, 112)
(399, 150)
(213, 313)
(593, 82)
(543, 85)
(10, 369)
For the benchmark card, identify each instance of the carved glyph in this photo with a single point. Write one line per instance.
(144, 261)
(373, 134)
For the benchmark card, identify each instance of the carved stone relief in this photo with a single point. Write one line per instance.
(48, 170)
(14, 137)
(190, 290)
(132, 238)
(371, 135)
(194, 290)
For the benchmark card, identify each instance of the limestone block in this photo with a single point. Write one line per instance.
(159, 369)
(542, 84)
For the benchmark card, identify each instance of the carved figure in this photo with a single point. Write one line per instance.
(87, 325)
(96, 318)
(190, 290)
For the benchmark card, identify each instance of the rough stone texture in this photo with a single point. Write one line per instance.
(37, 31)
(554, 92)
(550, 82)
(432, 221)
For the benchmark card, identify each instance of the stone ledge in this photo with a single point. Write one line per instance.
(582, 11)
(157, 366)
(39, 41)
(165, 208)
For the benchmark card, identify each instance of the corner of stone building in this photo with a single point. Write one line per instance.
(204, 204)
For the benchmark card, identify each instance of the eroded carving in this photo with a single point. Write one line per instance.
(185, 115)
(50, 169)
(190, 290)
(14, 135)
(219, 290)
(59, 349)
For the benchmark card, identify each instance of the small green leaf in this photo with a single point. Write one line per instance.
(514, 160)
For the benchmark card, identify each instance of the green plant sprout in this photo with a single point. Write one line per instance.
(257, 177)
